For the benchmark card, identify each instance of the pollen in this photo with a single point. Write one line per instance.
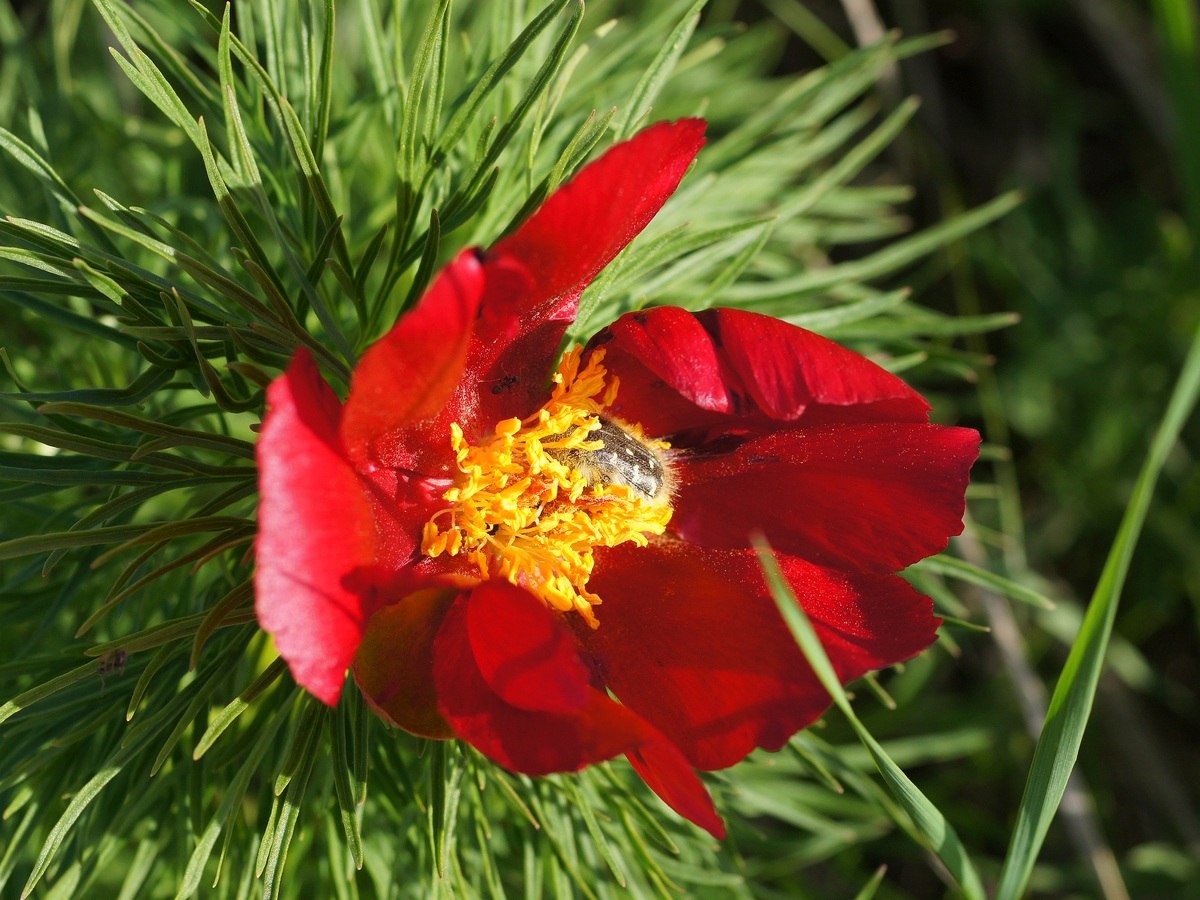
(532, 500)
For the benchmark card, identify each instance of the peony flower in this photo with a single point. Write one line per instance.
(552, 562)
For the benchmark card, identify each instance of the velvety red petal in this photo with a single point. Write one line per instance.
(315, 532)
(589, 220)
(530, 741)
(786, 369)
(535, 276)
(409, 375)
(524, 654)
(870, 498)
(394, 663)
(668, 773)
(546, 735)
(671, 372)
(691, 640)
(736, 370)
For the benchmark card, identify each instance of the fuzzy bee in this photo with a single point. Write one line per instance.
(625, 458)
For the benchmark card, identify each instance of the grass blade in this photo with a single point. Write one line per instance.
(950, 567)
(1071, 705)
(656, 75)
(930, 823)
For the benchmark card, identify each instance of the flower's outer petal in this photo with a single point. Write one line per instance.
(671, 373)
(868, 498)
(535, 742)
(524, 654)
(588, 221)
(671, 776)
(681, 371)
(691, 640)
(535, 276)
(785, 369)
(408, 376)
(556, 736)
(315, 533)
(394, 663)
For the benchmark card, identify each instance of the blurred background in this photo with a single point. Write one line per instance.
(1068, 101)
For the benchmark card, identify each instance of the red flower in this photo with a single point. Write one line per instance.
(496, 560)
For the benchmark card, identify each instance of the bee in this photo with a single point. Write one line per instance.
(625, 458)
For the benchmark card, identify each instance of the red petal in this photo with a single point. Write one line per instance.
(546, 733)
(524, 654)
(316, 533)
(394, 663)
(691, 640)
(535, 276)
(871, 498)
(681, 371)
(409, 375)
(529, 741)
(671, 776)
(786, 368)
(671, 374)
(588, 221)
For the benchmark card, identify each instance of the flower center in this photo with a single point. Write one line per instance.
(531, 502)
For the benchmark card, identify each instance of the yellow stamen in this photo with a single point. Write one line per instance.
(520, 513)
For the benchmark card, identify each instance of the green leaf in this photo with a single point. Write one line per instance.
(1177, 24)
(49, 312)
(494, 75)
(809, 27)
(157, 661)
(145, 385)
(33, 695)
(509, 129)
(339, 736)
(223, 819)
(429, 260)
(290, 804)
(655, 77)
(199, 692)
(237, 706)
(323, 90)
(179, 436)
(109, 770)
(40, 543)
(749, 246)
(869, 889)
(950, 567)
(587, 137)
(29, 158)
(235, 598)
(412, 170)
(307, 731)
(892, 258)
(822, 320)
(584, 805)
(169, 631)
